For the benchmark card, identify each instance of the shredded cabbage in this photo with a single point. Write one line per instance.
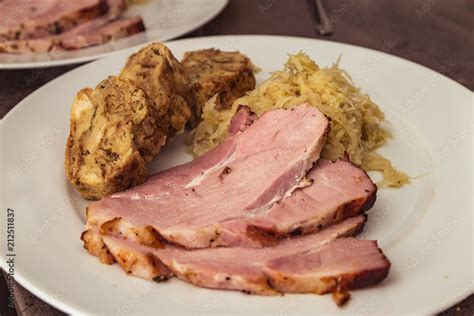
(355, 118)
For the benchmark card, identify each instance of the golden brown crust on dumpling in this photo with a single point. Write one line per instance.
(211, 71)
(114, 132)
(155, 70)
(122, 124)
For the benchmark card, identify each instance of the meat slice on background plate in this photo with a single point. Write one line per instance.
(89, 33)
(318, 263)
(95, 32)
(242, 177)
(111, 31)
(39, 18)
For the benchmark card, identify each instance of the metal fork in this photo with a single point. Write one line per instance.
(323, 24)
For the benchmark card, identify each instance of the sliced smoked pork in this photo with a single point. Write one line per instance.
(223, 268)
(110, 31)
(339, 190)
(241, 120)
(40, 18)
(342, 265)
(242, 177)
(100, 30)
(319, 263)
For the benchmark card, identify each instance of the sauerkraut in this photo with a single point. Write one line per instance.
(355, 118)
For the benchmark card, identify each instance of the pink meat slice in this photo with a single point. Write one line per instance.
(242, 119)
(243, 176)
(339, 190)
(229, 268)
(89, 34)
(94, 32)
(112, 30)
(341, 265)
(349, 192)
(39, 18)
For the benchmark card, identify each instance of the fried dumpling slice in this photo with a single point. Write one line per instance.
(114, 132)
(155, 70)
(230, 75)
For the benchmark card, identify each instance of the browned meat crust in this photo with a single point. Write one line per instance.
(94, 244)
(133, 262)
(143, 265)
(340, 298)
(211, 71)
(146, 236)
(146, 265)
(339, 282)
(342, 283)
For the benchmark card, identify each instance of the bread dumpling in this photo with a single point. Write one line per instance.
(155, 70)
(114, 132)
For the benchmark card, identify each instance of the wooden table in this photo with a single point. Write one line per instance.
(429, 32)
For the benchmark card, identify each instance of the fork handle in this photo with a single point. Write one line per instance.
(324, 26)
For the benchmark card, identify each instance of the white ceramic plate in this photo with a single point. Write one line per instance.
(424, 228)
(163, 19)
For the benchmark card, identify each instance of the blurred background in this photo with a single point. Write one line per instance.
(435, 33)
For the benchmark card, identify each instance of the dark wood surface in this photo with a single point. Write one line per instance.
(433, 33)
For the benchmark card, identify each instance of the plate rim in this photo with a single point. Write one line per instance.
(50, 299)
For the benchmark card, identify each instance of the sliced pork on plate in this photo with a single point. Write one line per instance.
(95, 32)
(39, 18)
(112, 30)
(317, 263)
(63, 25)
(234, 268)
(242, 177)
(344, 264)
(260, 213)
(308, 209)
(338, 190)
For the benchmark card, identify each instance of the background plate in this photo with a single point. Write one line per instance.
(424, 228)
(164, 20)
